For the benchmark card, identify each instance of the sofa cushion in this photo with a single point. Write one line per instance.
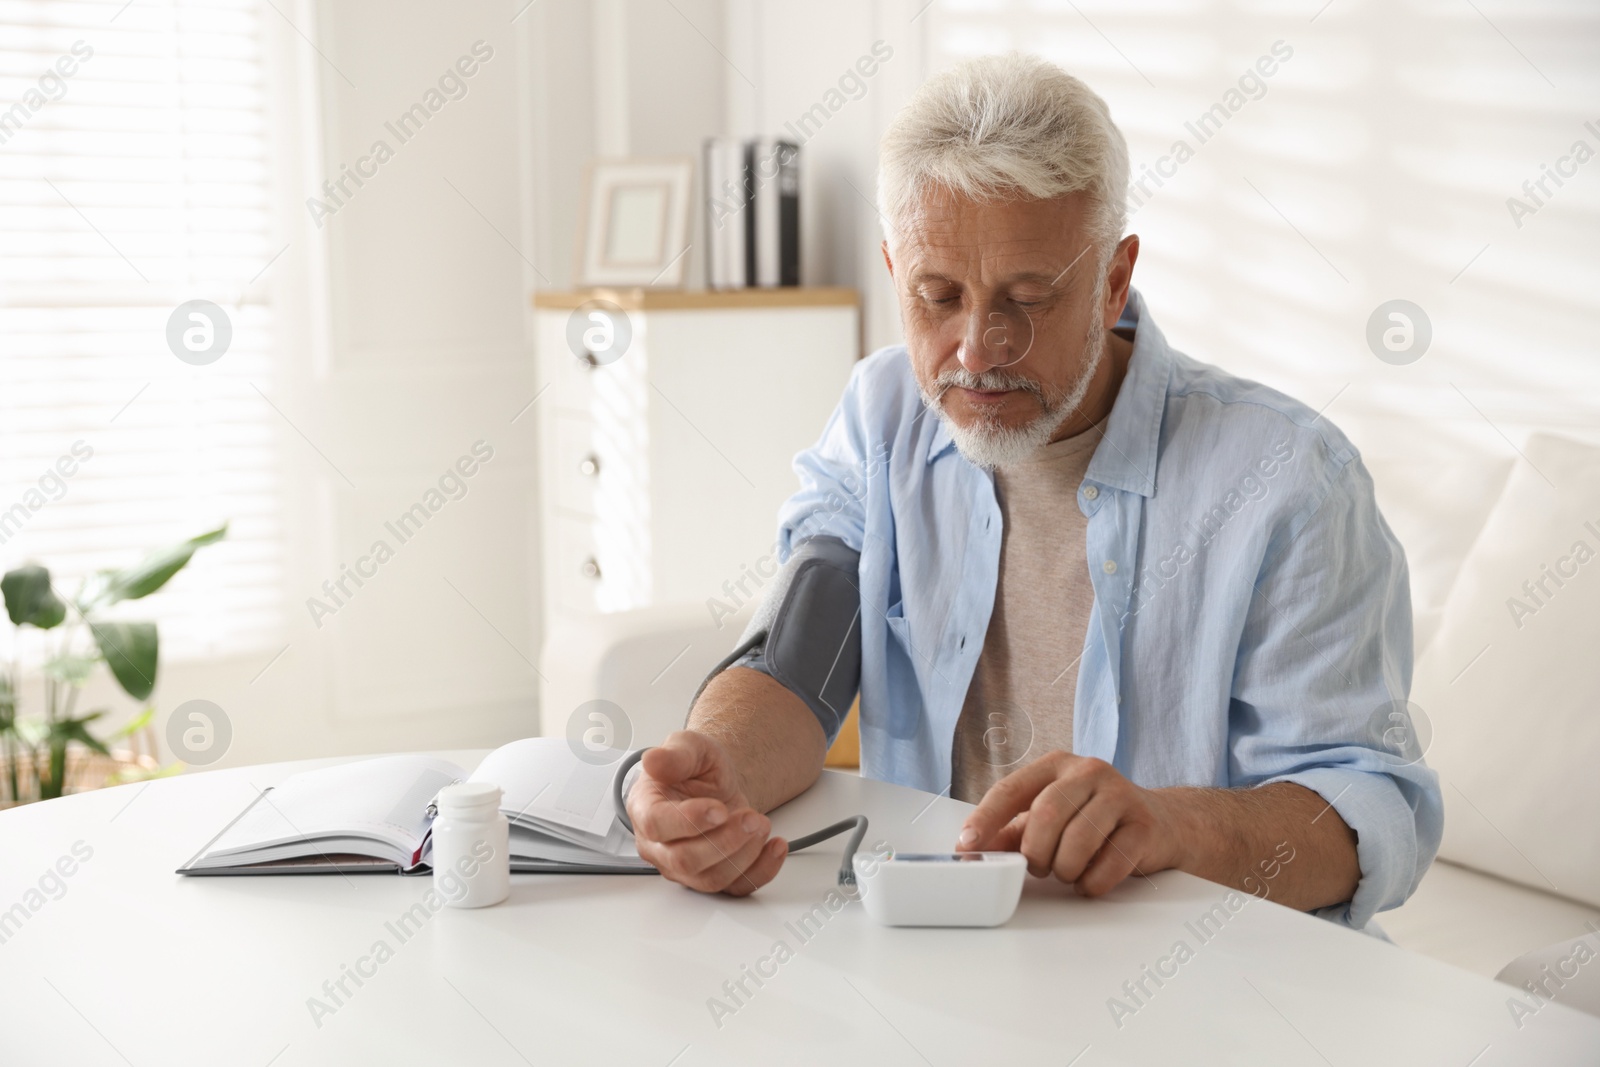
(1510, 683)
(1436, 496)
(1481, 923)
(1558, 973)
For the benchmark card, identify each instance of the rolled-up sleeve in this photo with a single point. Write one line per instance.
(830, 503)
(1321, 682)
(834, 475)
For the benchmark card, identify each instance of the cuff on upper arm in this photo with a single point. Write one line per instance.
(1387, 839)
(829, 716)
(805, 635)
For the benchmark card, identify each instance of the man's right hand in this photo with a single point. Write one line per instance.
(692, 821)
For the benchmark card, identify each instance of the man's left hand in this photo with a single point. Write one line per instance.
(1079, 819)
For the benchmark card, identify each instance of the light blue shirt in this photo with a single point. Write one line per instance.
(1251, 621)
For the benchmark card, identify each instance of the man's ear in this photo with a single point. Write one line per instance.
(888, 260)
(1119, 278)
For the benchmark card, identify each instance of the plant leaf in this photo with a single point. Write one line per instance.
(65, 730)
(130, 649)
(31, 731)
(153, 571)
(135, 724)
(29, 598)
(8, 705)
(74, 670)
(93, 588)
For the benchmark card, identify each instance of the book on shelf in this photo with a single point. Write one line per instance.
(374, 815)
(752, 212)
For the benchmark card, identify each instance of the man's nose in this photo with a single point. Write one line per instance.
(985, 341)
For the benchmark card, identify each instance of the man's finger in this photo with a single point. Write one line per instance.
(710, 864)
(728, 864)
(1113, 863)
(660, 818)
(682, 756)
(1085, 835)
(1009, 838)
(685, 861)
(1006, 799)
(732, 843)
(764, 870)
(1053, 810)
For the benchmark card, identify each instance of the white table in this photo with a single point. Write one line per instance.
(136, 965)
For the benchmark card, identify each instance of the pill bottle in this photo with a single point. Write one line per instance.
(471, 846)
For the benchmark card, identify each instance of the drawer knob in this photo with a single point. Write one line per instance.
(589, 568)
(589, 466)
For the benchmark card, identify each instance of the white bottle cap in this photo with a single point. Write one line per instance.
(469, 799)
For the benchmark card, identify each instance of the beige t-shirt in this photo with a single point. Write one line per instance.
(1019, 705)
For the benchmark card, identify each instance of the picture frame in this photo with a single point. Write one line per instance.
(634, 225)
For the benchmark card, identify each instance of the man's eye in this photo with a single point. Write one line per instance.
(939, 300)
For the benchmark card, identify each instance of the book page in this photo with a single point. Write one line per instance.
(530, 844)
(545, 782)
(383, 799)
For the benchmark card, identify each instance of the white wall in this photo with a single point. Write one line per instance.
(609, 78)
(785, 59)
(404, 345)
(1376, 165)
(415, 342)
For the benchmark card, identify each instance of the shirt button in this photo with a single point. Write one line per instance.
(1110, 566)
(1090, 492)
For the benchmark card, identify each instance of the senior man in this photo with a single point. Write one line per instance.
(1144, 613)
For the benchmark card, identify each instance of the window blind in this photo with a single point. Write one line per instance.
(135, 176)
(1298, 168)
(1339, 156)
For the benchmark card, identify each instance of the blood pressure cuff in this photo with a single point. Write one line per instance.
(806, 634)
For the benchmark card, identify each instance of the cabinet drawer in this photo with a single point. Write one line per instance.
(571, 380)
(573, 568)
(577, 463)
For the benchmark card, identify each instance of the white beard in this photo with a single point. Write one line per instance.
(990, 444)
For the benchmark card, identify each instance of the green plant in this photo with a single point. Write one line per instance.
(130, 650)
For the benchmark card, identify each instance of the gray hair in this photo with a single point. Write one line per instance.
(1002, 126)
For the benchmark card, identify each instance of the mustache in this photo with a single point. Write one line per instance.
(989, 380)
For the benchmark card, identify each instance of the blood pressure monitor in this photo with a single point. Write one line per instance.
(905, 888)
(940, 888)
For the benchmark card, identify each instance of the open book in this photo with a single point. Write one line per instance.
(375, 815)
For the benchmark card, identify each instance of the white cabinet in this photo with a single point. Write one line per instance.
(662, 471)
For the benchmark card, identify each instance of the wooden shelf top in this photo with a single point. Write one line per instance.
(677, 299)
